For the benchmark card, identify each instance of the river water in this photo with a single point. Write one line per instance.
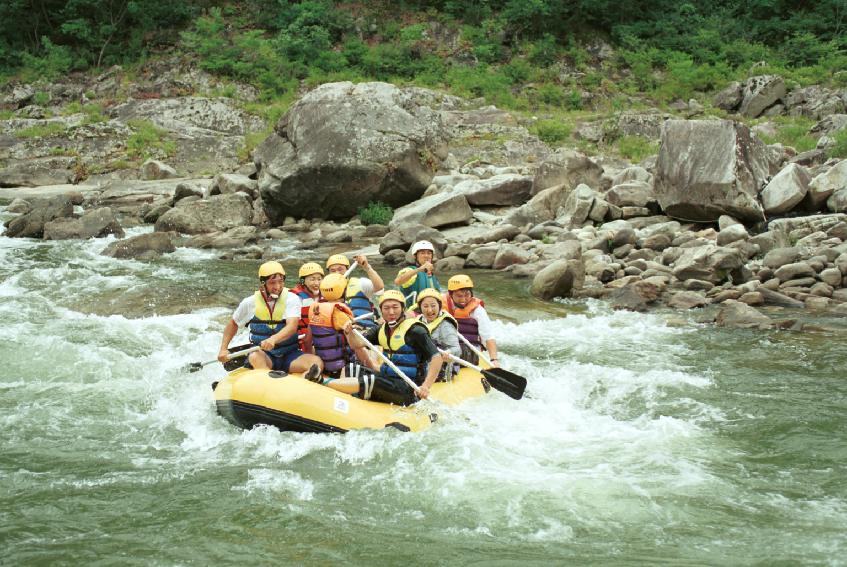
(643, 439)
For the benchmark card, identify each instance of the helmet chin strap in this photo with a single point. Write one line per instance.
(269, 294)
(396, 322)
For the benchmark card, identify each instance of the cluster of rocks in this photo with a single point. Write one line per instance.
(718, 217)
(77, 130)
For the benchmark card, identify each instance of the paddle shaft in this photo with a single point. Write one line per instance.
(198, 365)
(475, 350)
(460, 361)
(387, 361)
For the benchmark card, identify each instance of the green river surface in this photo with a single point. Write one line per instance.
(643, 438)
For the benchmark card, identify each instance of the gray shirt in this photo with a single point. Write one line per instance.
(446, 337)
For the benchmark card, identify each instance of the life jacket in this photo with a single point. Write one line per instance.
(264, 324)
(328, 343)
(359, 302)
(448, 369)
(306, 301)
(443, 316)
(418, 283)
(468, 326)
(402, 355)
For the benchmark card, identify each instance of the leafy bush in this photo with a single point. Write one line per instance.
(148, 141)
(55, 61)
(376, 213)
(552, 132)
(481, 81)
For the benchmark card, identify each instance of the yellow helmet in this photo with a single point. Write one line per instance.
(337, 259)
(332, 286)
(310, 268)
(430, 292)
(392, 295)
(460, 281)
(268, 269)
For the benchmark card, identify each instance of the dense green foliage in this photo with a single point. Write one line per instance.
(376, 213)
(542, 56)
(49, 37)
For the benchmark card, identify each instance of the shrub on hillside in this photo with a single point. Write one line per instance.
(376, 213)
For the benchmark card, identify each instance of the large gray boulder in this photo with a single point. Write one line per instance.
(38, 171)
(436, 210)
(505, 189)
(93, 224)
(343, 145)
(228, 183)
(827, 183)
(215, 214)
(708, 263)
(559, 279)
(786, 189)
(155, 169)
(568, 168)
(707, 168)
(142, 247)
(631, 194)
(31, 224)
(542, 207)
(736, 314)
(761, 92)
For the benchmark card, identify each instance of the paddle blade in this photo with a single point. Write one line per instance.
(507, 382)
(193, 367)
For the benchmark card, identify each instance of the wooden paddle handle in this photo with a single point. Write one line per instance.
(387, 361)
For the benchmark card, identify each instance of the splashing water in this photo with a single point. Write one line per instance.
(637, 442)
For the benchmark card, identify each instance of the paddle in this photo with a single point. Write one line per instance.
(387, 361)
(500, 379)
(511, 384)
(196, 366)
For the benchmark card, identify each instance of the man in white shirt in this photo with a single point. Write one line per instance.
(272, 315)
(474, 322)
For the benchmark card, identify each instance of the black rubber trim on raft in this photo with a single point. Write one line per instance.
(247, 416)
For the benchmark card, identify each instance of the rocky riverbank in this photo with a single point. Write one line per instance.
(716, 218)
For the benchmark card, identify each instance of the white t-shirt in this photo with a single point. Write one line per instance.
(246, 310)
(483, 323)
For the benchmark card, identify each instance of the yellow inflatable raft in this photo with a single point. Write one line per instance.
(289, 402)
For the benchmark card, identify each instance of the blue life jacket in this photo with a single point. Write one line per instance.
(359, 303)
(264, 324)
(402, 355)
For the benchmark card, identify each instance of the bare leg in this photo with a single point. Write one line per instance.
(346, 385)
(259, 360)
(303, 362)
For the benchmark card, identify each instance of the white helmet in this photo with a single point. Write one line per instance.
(422, 245)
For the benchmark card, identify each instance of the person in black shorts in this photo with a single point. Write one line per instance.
(407, 343)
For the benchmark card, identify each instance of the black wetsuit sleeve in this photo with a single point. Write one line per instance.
(419, 339)
(372, 334)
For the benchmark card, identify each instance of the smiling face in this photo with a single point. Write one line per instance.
(423, 256)
(461, 296)
(274, 285)
(430, 308)
(313, 283)
(337, 269)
